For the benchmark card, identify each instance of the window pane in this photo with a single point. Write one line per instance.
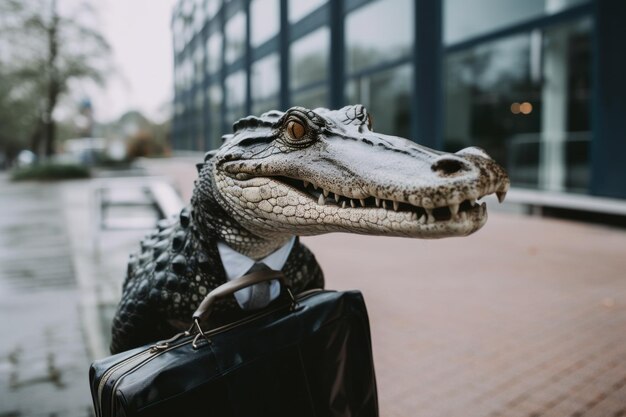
(179, 108)
(215, 105)
(393, 20)
(211, 7)
(262, 106)
(177, 78)
(178, 33)
(264, 20)
(235, 33)
(199, 120)
(301, 8)
(311, 98)
(214, 49)
(525, 99)
(235, 96)
(487, 15)
(387, 96)
(198, 18)
(309, 58)
(265, 83)
(186, 72)
(198, 57)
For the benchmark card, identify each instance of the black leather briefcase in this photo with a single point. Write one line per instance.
(305, 356)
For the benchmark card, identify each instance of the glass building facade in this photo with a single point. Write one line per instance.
(538, 83)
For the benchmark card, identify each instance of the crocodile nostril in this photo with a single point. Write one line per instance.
(448, 166)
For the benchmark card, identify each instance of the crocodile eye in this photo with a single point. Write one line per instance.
(296, 130)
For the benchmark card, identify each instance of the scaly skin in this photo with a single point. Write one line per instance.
(300, 173)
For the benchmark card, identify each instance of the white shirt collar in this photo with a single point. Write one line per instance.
(236, 264)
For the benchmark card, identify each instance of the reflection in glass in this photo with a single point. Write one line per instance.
(235, 33)
(198, 58)
(177, 32)
(210, 7)
(264, 20)
(186, 72)
(265, 84)
(199, 121)
(214, 49)
(525, 99)
(215, 104)
(460, 24)
(235, 96)
(198, 18)
(177, 78)
(179, 108)
(387, 96)
(392, 38)
(300, 8)
(309, 58)
(311, 98)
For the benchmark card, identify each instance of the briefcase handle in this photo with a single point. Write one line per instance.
(206, 306)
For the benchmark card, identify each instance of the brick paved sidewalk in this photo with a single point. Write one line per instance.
(525, 318)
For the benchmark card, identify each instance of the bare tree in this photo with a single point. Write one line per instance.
(46, 51)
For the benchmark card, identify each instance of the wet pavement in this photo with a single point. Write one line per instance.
(106, 219)
(527, 317)
(63, 253)
(42, 352)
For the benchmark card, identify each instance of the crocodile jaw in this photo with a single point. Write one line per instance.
(278, 206)
(307, 172)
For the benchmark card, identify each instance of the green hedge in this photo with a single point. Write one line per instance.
(49, 171)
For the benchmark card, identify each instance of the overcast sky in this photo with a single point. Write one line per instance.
(140, 37)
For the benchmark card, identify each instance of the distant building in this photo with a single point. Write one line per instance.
(540, 84)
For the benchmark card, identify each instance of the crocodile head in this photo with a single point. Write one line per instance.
(308, 172)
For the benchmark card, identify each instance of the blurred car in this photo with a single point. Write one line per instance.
(25, 158)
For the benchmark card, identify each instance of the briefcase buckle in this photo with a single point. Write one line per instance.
(194, 344)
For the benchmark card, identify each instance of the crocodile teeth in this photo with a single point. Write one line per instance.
(314, 187)
(501, 195)
(321, 200)
(325, 192)
(454, 209)
(306, 183)
(377, 201)
(396, 205)
(337, 198)
(429, 213)
(343, 204)
(463, 215)
(352, 203)
(472, 202)
(422, 219)
(362, 202)
(384, 204)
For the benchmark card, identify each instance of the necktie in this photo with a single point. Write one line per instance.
(259, 295)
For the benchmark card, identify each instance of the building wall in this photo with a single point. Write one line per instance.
(520, 79)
